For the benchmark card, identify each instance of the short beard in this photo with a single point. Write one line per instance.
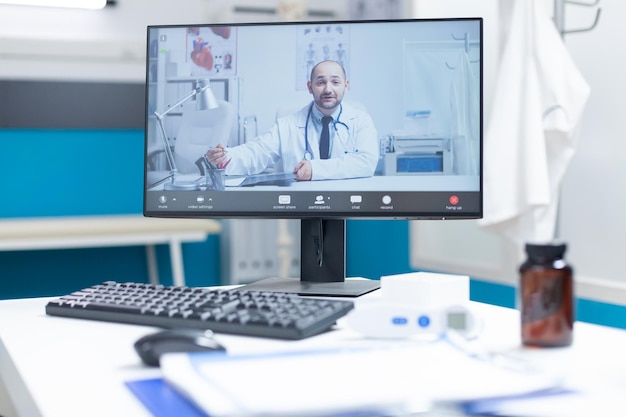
(322, 105)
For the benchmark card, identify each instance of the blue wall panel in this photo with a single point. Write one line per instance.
(377, 247)
(56, 272)
(71, 172)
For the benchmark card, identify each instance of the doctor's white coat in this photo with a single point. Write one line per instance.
(539, 100)
(354, 148)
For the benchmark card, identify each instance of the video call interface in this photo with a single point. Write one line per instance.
(371, 118)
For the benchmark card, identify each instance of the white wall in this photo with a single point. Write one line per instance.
(594, 191)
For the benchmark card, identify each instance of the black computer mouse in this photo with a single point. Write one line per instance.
(150, 347)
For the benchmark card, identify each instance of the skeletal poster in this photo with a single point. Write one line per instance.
(319, 42)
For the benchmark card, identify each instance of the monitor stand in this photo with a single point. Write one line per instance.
(348, 288)
(322, 265)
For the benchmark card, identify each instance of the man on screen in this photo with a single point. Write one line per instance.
(346, 148)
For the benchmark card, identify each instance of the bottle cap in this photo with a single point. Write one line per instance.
(545, 251)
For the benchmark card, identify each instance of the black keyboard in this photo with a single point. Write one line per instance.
(252, 313)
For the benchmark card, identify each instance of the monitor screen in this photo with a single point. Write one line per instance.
(318, 121)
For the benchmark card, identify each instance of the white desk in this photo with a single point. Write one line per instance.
(59, 367)
(111, 230)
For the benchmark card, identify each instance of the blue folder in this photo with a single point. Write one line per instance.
(162, 400)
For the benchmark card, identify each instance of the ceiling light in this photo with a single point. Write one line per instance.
(78, 4)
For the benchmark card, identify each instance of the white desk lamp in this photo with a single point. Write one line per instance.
(205, 100)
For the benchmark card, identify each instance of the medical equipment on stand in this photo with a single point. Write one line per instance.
(408, 153)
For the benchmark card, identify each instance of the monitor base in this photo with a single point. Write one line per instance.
(347, 288)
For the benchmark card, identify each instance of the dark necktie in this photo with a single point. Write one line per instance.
(325, 138)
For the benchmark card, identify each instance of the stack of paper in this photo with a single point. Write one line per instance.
(385, 380)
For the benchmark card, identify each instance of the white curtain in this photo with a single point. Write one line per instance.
(440, 77)
(465, 117)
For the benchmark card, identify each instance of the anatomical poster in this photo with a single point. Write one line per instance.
(212, 50)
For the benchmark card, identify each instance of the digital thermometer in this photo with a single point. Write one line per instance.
(384, 320)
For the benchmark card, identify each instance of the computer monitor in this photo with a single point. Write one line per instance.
(235, 129)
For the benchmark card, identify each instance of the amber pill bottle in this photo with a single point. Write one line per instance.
(546, 297)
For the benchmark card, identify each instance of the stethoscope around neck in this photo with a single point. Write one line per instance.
(308, 155)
